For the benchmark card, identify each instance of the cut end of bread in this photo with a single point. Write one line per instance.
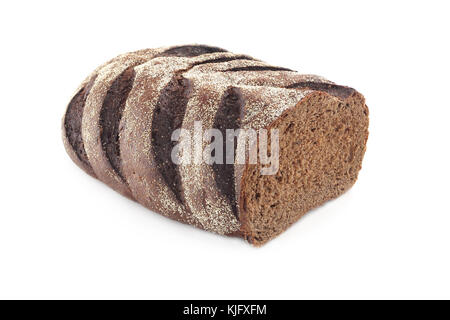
(322, 141)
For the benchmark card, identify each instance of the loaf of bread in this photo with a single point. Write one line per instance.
(268, 144)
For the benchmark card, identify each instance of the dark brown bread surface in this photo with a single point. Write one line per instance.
(118, 127)
(71, 127)
(72, 120)
(101, 118)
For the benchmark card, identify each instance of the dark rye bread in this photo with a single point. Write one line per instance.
(130, 107)
(168, 116)
(159, 92)
(71, 127)
(322, 143)
(189, 51)
(101, 118)
(229, 115)
(98, 152)
(72, 119)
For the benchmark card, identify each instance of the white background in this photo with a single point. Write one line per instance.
(66, 235)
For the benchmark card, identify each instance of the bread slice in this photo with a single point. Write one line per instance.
(101, 118)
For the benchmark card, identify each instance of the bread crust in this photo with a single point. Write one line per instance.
(201, 194)
(139, 165)
(90, 81)
(91, 126)
(70, 148)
